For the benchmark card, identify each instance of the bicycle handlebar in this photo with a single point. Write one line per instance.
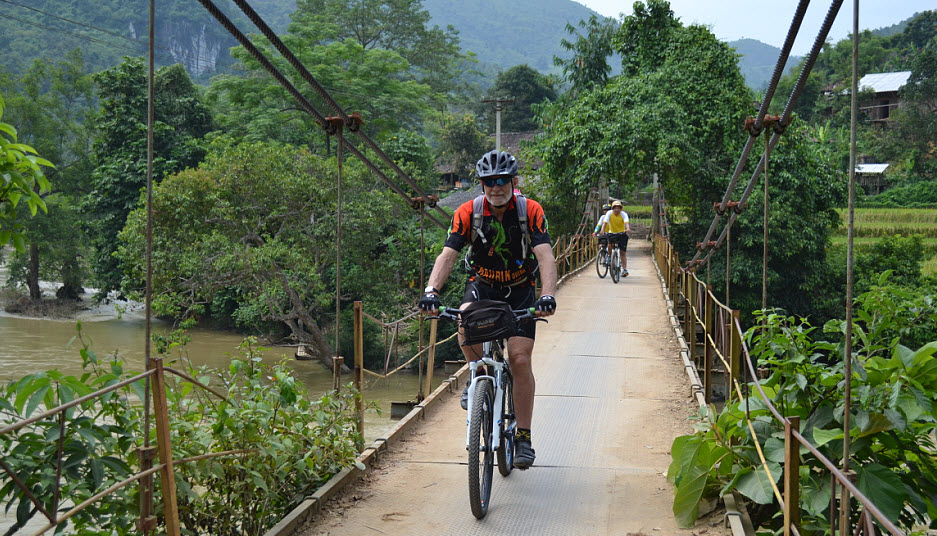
(519, 314)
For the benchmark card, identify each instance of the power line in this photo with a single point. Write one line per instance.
(166, 56)
(67, 20)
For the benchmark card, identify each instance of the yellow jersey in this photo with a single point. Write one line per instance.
(616, 224)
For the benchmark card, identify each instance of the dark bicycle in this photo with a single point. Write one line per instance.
(601, 259)
(489, 432)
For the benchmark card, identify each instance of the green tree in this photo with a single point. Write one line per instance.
(375, 82)
(51, 103)
(401, 26)
(462, 144)
(247, 240)
(644, 37)
(588, 65)
(680, 119)
(528, 87)
(119, 149)
(22, 177)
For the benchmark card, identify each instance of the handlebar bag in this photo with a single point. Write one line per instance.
(487, 320)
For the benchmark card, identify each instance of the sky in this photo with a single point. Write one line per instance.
(768, 20)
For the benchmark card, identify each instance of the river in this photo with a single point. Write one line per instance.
(29, 345)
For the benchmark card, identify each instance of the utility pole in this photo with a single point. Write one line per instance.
(498, 105)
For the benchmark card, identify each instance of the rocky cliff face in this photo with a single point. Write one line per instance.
(196, 45)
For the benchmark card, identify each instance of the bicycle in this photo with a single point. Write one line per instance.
(601, 263)
(489, 389)
(614, 258)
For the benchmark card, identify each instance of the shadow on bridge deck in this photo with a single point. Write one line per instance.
(611, 397)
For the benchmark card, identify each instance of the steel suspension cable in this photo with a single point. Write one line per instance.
(763, 109)
(302, 101)
(307, 76)
(785, 119)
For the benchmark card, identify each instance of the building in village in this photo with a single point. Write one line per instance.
(887, 99)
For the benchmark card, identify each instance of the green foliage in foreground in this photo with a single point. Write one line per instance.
(290, 445)
(891, 416)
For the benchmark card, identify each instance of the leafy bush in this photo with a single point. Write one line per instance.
(288, 445)
(892, 421)
(919, 194)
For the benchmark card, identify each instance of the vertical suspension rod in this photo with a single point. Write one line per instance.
(854, 108)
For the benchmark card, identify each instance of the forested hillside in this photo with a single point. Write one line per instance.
(106, 30)
(527, 32)
(758, 61)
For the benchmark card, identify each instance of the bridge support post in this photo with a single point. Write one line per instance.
(359, 369)
(689, 323)
(168, 479)
(431, 355)
(791, 476)
(708, 350)
(735, 351)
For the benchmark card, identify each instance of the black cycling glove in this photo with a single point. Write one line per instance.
(429, 302)
(546, 303)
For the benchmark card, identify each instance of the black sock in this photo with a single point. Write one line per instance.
(523, 434)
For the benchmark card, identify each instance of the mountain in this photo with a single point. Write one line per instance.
(757, 61)
(510, 33)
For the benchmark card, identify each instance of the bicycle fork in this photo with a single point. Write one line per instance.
(496, 404)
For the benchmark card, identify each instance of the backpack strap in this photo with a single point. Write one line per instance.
(520, 202)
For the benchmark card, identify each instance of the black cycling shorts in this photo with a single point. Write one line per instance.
(518, 297)
(603, 239)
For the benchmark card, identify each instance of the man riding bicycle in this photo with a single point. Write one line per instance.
(504, 261)
(618, 227)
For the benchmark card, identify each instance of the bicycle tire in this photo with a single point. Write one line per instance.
(600, 269)
(616, 266)
(480, 449)
(506, 448)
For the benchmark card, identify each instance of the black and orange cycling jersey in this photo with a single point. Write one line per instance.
(500, 263)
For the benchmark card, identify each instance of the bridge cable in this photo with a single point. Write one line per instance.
(769, 95)
(303, 102)
(784, 121)
(307, 76)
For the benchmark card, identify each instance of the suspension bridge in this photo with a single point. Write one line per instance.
(620, 368)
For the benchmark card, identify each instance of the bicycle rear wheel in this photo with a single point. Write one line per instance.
(480, 449)
(601, 268)
(616, 266)
(506, 449)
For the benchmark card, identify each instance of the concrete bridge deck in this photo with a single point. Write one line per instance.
(611, 396)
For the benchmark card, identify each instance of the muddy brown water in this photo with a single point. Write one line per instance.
(30, 345)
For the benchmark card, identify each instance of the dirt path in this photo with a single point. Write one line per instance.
(611, 397)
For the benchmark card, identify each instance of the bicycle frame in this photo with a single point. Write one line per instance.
(488, 360)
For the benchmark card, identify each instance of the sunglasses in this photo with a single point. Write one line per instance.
(501, 181)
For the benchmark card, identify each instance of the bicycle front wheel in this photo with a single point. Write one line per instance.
(601, 268)
(480, 449)
(616, 266)
(506, 449)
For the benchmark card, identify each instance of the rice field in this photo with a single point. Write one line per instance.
(871, 224)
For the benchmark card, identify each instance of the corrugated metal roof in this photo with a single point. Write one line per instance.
(884, 82)
(871, 168)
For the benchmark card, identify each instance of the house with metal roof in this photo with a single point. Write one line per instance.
(886, 87)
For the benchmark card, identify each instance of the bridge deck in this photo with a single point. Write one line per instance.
(611, 396)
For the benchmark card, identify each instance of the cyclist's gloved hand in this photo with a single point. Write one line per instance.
(546, 304)
(429, 303)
